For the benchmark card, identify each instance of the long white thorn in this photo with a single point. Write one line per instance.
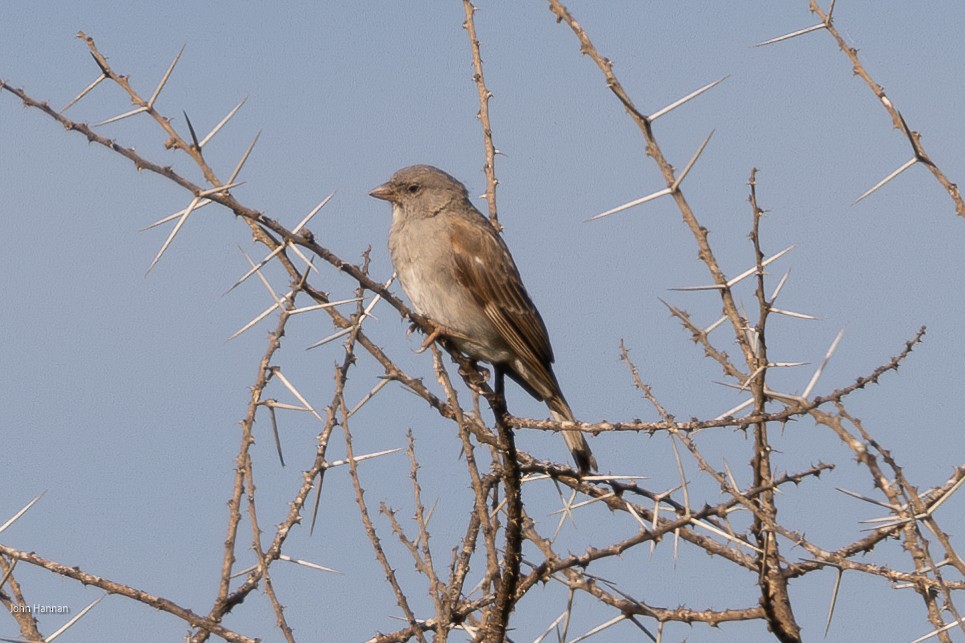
(271, 291)
(747, 273)
(94, 84)
(164, 80)
(779, 287)
(244, 157)
(886, 179)
(305, 563)
(79, 616)
(308, 309)
(276, 372)
(172, 217)
(311, 214)
(744, 275)
(944, 497)
(599, 628)
(174, 232)
(136, 110)
(791, 35)
(690, 164)
(254, 321)
(218, 189)
(361, 458)
(256, 267)
(635, 202)
(224, 121)
(714, 326)
(731, 412)
(301, 255)
(791, 313)
(17, 515)
(674, 105)
(817, 373)
(330, 338)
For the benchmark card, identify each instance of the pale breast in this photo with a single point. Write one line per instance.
(422, 257)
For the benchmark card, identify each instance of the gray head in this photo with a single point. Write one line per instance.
(421, 189)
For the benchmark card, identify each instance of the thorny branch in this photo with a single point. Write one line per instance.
(484, 95)
(914, 138)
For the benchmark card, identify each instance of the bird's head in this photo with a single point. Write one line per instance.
(420, 189)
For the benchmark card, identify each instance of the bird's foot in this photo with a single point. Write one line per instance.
(437, 332)
(475, 369)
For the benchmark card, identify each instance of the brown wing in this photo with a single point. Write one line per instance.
(485, 267)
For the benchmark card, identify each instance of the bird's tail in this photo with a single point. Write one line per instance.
(575, 440)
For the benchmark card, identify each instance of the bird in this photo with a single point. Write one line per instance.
(456, 270)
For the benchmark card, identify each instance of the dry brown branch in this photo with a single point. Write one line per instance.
(908, 507)
(25, 620)
(624, 603)
(242, 463)
(775, 598)
(481, 487)
(914, 138)
(113, 587)
(497, 618)
(484, 95)
(340, 378)
(794, 408)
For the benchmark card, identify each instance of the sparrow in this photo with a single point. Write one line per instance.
(457, 271)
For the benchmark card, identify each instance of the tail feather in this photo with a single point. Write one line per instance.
(541, 383)
(575, 440)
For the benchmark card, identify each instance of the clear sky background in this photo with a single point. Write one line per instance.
(121, 398)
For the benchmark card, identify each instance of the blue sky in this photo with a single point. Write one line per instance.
(122, 397)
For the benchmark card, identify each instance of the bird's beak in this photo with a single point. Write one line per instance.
(385, 192)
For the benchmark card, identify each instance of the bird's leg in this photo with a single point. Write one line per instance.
(499, 380)
(473, 369)
(499, 388)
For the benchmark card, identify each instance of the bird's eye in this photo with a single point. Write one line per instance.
(412, 188)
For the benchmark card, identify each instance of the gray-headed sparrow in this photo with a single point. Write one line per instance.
(457, 271)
